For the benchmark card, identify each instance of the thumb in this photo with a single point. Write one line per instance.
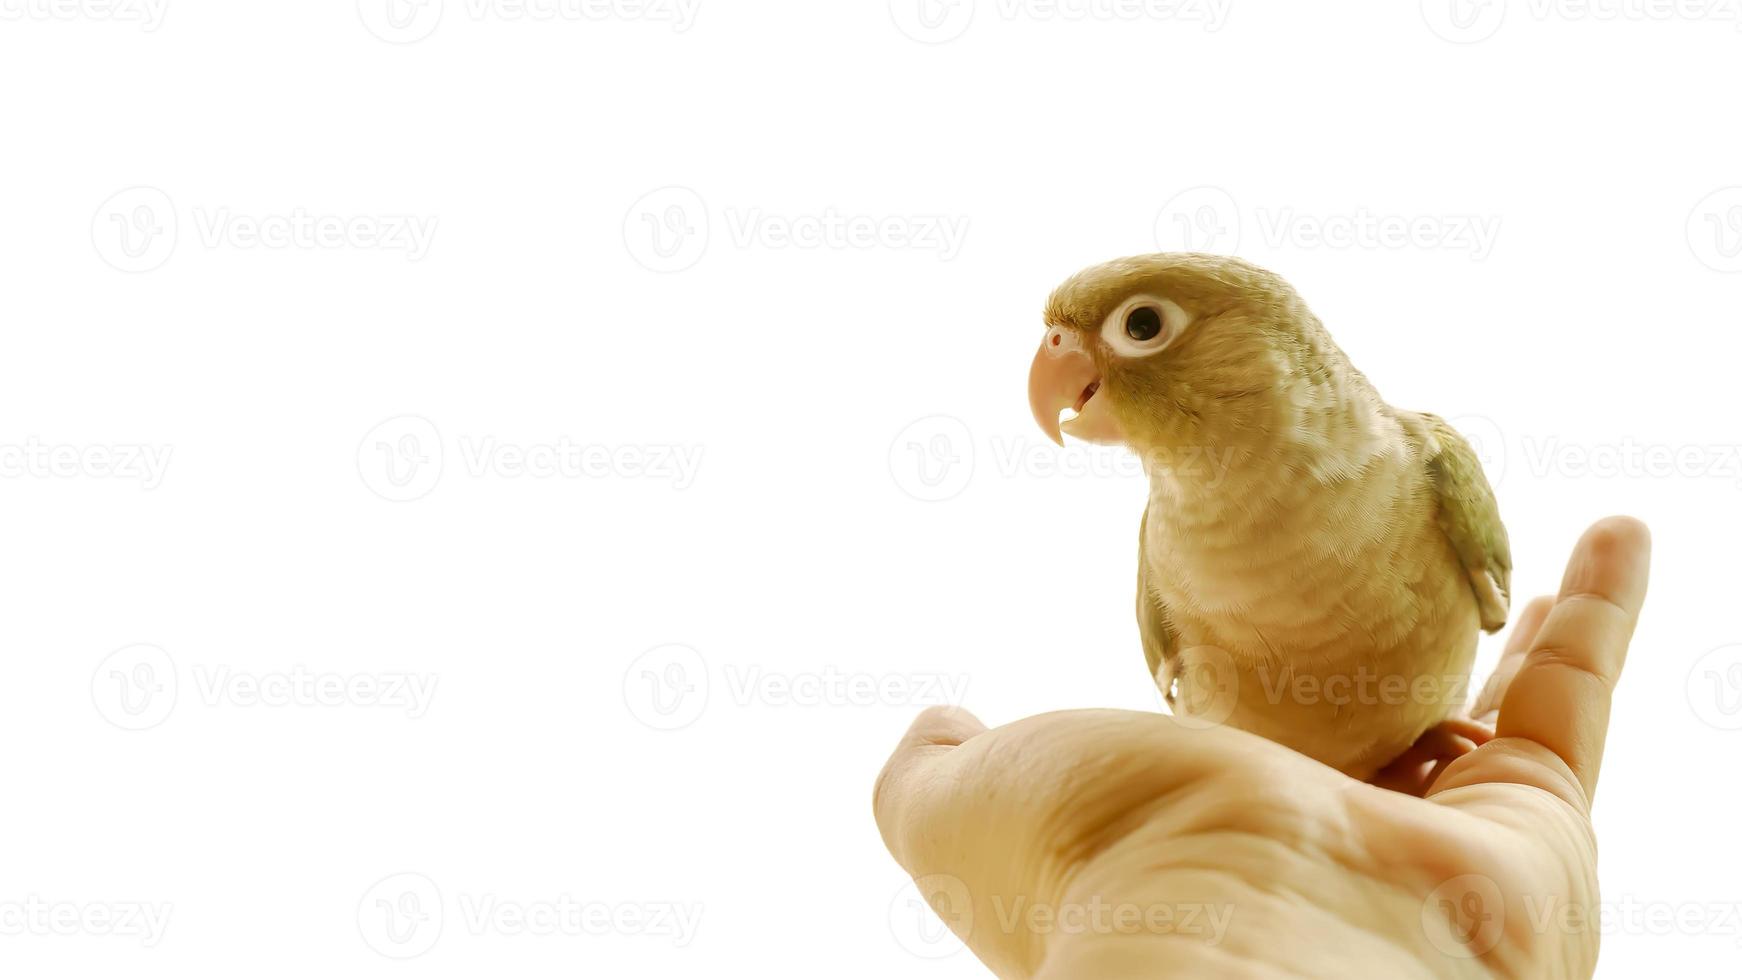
(1554, 715)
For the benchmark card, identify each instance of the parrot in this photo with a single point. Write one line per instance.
(1314, 565)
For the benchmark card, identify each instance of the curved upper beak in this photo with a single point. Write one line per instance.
(1063, 376)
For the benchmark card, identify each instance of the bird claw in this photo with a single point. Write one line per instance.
(1421, 764)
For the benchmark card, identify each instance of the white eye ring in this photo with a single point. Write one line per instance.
(1173, 323)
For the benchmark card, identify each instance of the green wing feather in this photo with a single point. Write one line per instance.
(1467, 512)
(1160, 643)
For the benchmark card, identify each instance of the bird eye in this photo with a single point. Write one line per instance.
(1143, 323)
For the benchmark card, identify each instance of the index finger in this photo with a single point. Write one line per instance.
(1560, 697)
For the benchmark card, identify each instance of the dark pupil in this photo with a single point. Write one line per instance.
(1143, 323)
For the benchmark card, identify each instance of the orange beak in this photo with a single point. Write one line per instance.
(1063, 376)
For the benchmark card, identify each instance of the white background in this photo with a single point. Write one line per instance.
(303, 388)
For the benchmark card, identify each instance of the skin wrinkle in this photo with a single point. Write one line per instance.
(1309, 873)
(1257, 884)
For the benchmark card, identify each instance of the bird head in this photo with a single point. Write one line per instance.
(1163, 351)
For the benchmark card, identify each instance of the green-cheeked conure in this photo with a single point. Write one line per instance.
(1313, 564)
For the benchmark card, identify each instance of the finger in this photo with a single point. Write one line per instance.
(1559, 698)
(1517, 645)
(1414, 771)
(903, 781)
(1471, 731)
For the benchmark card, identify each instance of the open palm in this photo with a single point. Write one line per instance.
(1123, 844)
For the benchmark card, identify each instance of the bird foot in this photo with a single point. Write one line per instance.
(1420, 765)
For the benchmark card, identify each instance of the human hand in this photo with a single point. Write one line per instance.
(1112, 844)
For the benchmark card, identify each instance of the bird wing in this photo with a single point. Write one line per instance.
(1466, 513)
(1160, 642)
